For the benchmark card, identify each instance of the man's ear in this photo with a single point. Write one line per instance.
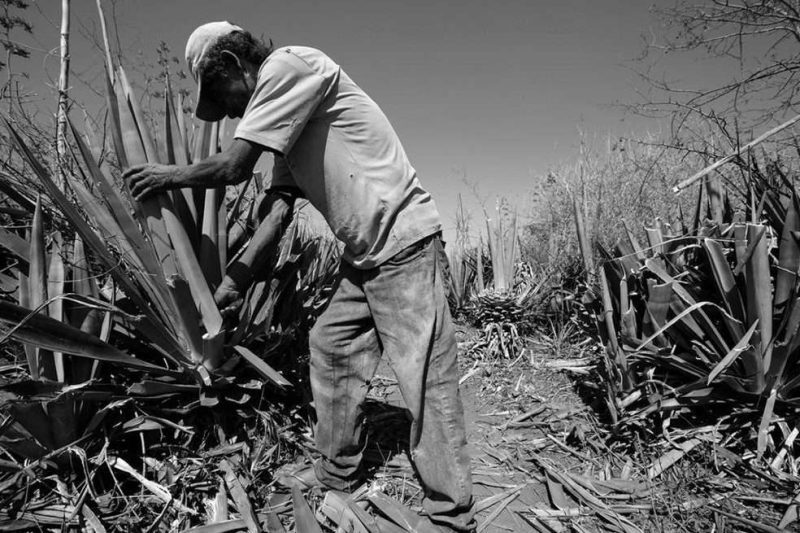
(230, 56)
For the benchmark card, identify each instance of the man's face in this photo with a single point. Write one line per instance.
(230, 92)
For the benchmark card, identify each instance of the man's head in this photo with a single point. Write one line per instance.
(224, 60)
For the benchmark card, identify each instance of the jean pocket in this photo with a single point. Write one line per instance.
(410, 253)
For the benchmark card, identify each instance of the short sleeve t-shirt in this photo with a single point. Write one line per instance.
(335, 144)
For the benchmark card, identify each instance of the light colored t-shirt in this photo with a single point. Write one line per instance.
(339, 149)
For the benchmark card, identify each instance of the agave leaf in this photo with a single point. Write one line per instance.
(709, 329)
(15, 244)
(10, 186)
(732, 355)
(186, 211)
(191, 269)
(627, 258)
(15, 437)
(55, 290)
(674, 320)
(222, 234)
(303, 516)
(274, 525)
(262, 367)
(39, 330)
(209, 243)
(9, 284)
(150, 209)
(399, 514)
(94, 143)
(766, 421)
(89, 320)
(202, 141)
(627, 313)
(608, 317)
(175, 143)
(788, 256)
(791, 515)
(32, 416)
(37, 289)
(790, 333)
(213, 244)
(510, 260)
(119, 209)
(156, 489)
(250, 308)
(657, 308)
(188, 316)
(150, 326)
(82, 281)
(149, 279)
(759, 304)
(219, 527)
(727, 287)
(144, 132)
(739, 246)
(115, 122)
(219, 507)
(175, 148)
(159, 388)
(239, 496)
(63, 418)
(213, 346)
(655, 240)
(747, 240)
(183, 129)
(23, 297)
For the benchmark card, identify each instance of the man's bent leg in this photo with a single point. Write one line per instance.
(344, 356)
(413, 321)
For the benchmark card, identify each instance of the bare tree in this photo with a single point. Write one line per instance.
(761, 41)
(10, 21)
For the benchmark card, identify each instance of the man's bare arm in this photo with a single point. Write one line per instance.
(257, 255)
(229, 167)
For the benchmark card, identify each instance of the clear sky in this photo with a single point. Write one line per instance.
(491, 92)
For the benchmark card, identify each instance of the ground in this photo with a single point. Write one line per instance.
(510, 407)
(543, 458)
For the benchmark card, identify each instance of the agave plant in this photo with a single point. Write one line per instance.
(500, 303)
(708, 320)
(462, 266)
(141, 276)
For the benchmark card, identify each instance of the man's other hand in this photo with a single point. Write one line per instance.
(145, 180)
(228, 298)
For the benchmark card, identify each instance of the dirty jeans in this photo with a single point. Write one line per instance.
(397, 309)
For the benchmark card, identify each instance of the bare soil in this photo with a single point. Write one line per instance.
(510, 407)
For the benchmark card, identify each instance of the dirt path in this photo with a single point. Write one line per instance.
(509, 408)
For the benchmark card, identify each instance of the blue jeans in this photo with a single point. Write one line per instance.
(397, 309)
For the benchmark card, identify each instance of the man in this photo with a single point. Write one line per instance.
(334, 146)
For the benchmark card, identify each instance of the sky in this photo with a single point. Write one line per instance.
(486, 96)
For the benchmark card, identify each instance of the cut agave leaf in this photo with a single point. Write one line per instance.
(262, 367)
(46, 333)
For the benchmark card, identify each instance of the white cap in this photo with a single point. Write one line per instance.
(201, 39)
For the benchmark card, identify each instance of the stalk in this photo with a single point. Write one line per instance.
(63, 83)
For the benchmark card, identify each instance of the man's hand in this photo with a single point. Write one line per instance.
(148, 179)
(228, 298)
